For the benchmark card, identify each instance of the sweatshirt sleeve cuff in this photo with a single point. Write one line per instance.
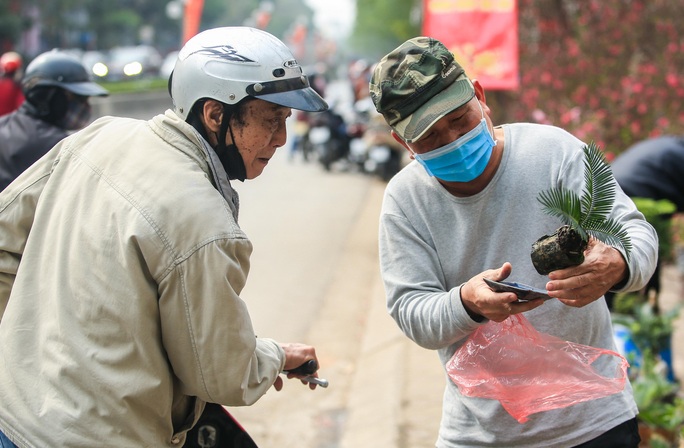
(467, 319)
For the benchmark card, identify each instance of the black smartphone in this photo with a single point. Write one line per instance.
(524, 292)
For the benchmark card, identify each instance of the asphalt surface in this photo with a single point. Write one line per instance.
(377, 376)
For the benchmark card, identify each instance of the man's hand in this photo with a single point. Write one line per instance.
(480, 300)
(603, 267)
(296, 355)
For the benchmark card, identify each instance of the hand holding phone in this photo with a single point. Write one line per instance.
(525, 293)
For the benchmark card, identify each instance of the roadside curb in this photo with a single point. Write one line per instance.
(375, 398)
(395, 395)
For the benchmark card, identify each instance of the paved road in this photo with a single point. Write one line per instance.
(315, 279)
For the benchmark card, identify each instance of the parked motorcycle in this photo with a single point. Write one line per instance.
(374, 149)
(301, 142)
(328, 137)
(217, 428)
(383, 160)
(358, 152)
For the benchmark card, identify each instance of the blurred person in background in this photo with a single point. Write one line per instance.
(303, 119)
(653, 169)
(359, 75)
(122, 261)
(57, 88)
(465, 210)
(11, 95)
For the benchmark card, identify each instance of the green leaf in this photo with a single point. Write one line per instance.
(599, 194)
(562, 203)
(610, 232)
(588, 214)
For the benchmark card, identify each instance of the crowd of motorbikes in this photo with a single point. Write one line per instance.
(364, 144)
(358, 140)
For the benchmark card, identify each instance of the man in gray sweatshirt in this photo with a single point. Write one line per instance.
(467, 209)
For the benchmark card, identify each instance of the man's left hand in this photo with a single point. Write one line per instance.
(603, 267)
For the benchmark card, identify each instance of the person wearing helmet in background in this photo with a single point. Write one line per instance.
(57, 88)
(11, 95)
(122, 261)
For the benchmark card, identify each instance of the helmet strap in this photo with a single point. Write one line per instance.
(229, 155)
(49, 103)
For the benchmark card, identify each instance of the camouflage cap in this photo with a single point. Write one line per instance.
(417, 84)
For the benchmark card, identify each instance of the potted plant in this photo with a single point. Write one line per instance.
(648, 329)
(661, 410)
(660, 214)
(582, 216)
(677, 232)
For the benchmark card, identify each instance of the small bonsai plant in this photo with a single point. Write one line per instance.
(582, 217)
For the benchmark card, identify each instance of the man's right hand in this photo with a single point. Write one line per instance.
(295, 355)
(480, 300)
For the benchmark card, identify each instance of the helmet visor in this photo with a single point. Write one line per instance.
(84, 88)
(294, 93)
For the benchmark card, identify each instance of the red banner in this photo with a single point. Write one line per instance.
(482, 35)
(192, 18)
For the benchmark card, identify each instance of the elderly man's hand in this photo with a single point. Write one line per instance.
(577, 286)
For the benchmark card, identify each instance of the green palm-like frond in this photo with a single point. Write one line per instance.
(564, 204)
(610, 232)
(588, 214)
(597, 199)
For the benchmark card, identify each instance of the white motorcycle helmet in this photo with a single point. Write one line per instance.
(231, 63)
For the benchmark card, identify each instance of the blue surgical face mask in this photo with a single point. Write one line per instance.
(462, 160)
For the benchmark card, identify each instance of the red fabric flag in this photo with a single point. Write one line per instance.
(482, 35)
(192, 18)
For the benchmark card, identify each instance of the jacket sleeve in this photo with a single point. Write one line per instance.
(207, 329)
(18, 204)
(643, 257)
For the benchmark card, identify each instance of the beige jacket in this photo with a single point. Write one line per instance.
(121, 265)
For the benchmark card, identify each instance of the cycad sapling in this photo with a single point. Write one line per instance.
(582, 217)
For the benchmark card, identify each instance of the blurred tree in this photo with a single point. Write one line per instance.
(118, 27)
(11, 24)
(132, 22)
(60, 21)
(608, 71)
(382, 25)
(166, 31)
(218, 13)
(283, 14)
(92, 24)
(287, 12)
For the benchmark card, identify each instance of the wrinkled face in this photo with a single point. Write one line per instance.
(259, 133)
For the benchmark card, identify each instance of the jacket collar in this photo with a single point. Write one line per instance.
(185, 138)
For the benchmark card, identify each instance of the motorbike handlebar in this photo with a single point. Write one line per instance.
(309, 368)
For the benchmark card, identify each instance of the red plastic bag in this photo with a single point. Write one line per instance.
(530, 372)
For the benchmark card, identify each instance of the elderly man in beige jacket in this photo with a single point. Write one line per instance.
(122, 261)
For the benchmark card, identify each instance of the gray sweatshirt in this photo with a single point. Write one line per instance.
(431, 242)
